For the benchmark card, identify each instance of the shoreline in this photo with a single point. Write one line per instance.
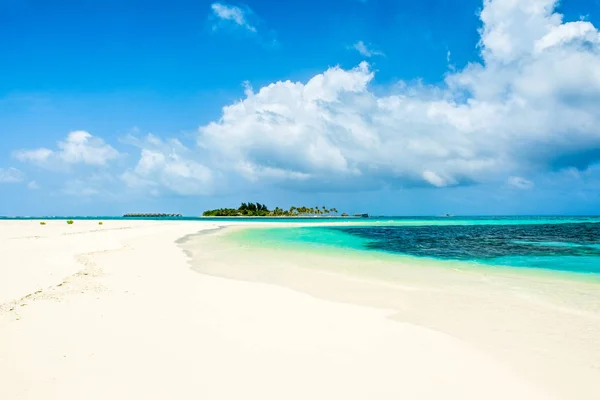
(234, 233)
(225, 237)
(558, 316)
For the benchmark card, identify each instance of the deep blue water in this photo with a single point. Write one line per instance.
(573, 247)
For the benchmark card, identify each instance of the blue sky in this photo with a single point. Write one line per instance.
(392, 107)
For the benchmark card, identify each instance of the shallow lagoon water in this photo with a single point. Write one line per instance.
(559, 244)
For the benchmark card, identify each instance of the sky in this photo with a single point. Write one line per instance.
(382, 106)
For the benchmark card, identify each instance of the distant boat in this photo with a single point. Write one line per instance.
(362, 215)
(344, 215)
(448, 215)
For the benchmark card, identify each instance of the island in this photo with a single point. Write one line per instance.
(261, 210)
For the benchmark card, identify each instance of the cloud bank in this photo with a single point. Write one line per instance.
(527, 110)
(530, 107)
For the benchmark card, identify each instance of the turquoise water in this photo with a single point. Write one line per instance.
(564, 243)
(561, 244)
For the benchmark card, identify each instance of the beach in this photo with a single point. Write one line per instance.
(169, 309)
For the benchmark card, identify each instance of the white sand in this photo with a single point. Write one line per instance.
(121, 315)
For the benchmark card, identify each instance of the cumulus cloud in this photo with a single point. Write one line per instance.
(364, 50)
(168, 165)
(530, 107)
(520, 182)
(79, 147)
(11, 175)
(232, 14)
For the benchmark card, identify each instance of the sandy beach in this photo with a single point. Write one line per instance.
(135, 309)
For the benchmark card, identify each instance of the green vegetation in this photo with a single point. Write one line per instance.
(100, 223)
(70, 222)
(42, 223)
(261, 210)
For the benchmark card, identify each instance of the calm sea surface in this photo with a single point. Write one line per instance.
(554, 243)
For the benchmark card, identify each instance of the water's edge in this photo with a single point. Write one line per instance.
(255, 236)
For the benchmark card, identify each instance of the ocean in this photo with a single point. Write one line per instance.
(569, 244)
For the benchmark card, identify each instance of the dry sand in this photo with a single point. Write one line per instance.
(116, 312)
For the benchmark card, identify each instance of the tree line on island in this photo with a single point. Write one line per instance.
(261, 210)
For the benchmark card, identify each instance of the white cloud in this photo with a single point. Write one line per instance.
(11, 175)
(79, 147)
(33, 185)
(82, 147)
(566, 33)
(234, 14)
(37, 156)
(170, 165)
(436, 180)
(520, 182)
(364, 50)
(529, 108)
